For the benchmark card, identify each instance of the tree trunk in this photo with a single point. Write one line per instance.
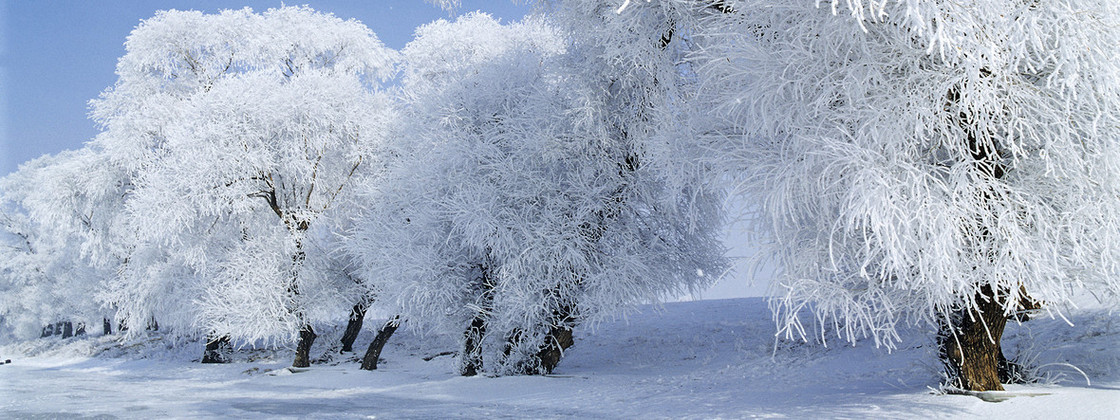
(471, 361)
(303, 348)
(215, 349)
(354, 326)
(106, 326)
(373, 353)
(548, 356)
(67, 329)
(970, 345)
(81, 329)
(558, 340)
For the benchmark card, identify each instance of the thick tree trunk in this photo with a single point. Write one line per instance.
(67, 329)
(559, 339)
(303, 348)
(106, 326)
(970, 345)
(354, 326)
(373, 353)
(215, 349)
(548, 356)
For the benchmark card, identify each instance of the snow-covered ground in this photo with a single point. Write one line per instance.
(703, 359)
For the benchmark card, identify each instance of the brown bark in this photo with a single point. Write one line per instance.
(303, 347)
(373, 353)
(558, 340)
(970, 345)
(354, 326)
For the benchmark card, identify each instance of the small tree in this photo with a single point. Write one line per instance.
(925, 161)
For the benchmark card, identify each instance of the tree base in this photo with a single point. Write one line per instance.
(373, 353)
(969, 346)
(303, 348)
(216, 349)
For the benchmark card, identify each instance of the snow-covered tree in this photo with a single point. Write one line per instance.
(59, 215)
(243, 130)
(516, 209)
(947, 163)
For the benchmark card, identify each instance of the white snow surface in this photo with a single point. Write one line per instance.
(702, 359)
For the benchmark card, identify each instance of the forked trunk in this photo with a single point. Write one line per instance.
(303, 348)
(970, 346)
(373, 353)
(216, 349)
(353, 326)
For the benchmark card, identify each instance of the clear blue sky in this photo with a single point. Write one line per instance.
(57, 55)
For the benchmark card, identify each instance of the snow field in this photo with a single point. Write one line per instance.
(704, 359)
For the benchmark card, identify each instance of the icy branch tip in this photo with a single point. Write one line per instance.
(625, 4)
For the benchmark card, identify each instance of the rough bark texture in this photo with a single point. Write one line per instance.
(215, 349)
(970, 345)
(354, 326)
(373, 353)
(303, 348)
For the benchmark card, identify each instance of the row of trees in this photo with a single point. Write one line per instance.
(929, 162)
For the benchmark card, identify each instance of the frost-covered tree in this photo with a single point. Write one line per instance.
(516, 209)
(59, 217)
(946, 163)
(243, 131)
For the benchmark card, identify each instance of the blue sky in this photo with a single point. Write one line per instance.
(57, 55)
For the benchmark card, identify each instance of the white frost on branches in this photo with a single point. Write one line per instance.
(943, 147)
(519, 198)
(242, 130)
